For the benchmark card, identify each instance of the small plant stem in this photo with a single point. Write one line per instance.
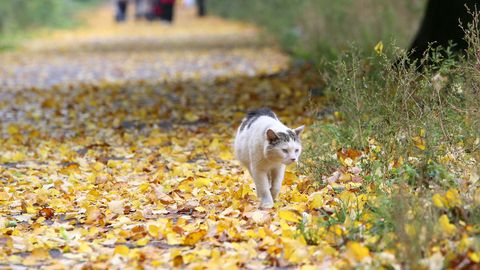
(357, 103)
(445, 135)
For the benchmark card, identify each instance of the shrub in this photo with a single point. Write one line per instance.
(322, 29)
(20, 15)
(418, 134)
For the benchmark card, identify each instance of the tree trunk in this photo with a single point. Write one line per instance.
(441, 26)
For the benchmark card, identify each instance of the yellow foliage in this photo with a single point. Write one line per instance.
(357, 251)
(289, 215)
(419, 142)
(438, 200)
(452, 198)
(445, 226)
(316, 200)
(121, 250)
(379, 48)
(193, 237)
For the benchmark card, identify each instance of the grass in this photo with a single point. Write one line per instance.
(322, 29)
(22, 19)
(418, 133)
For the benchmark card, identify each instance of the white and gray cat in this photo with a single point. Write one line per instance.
(265, 146)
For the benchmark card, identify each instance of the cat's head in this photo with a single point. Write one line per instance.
(284, 147)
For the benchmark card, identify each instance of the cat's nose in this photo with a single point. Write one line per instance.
(293, 159)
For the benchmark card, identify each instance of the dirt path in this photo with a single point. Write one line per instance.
(115, 148)
(104, 51)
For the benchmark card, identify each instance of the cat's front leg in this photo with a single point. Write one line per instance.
(277, 175)
(263, 188)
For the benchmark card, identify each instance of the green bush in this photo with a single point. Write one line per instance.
(23, 14)
(322, 29)
(419, 134)
(406, 112)
(19, 18)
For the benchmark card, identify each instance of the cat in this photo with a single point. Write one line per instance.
(265, 146)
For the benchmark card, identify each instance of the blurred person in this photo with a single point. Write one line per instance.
(121, 10)
(167, 7)
(155, 10)
(162, 10)
(202, 10)
(142, 8)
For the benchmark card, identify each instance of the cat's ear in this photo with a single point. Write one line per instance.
(271, 135)
(299, 130)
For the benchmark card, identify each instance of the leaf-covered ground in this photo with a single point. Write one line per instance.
(116, 152)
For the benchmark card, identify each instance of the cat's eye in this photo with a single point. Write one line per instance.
(296, 150)
(285, 151)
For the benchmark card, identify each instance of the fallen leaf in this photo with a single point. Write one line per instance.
(289, 215)
(357, 251)
(193, 237)
(47, 213)
(121, 250)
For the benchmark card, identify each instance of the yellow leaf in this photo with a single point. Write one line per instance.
(201, 182)
(308, 267)
(173, 239)
(156, 263)
(193, 237)
(419, 142)
(153, 230)
(143, 242)
(379, 47)
(438, 201)
(226, 155)
(92, 215)
(12, 129)
(84, 248)
(445, 225)
(289, 215)
(98, 166)
(345, 177)
(452, 198)
(214, 145)
(122, 250)
(464, 244)
(294, 250)
(357, 251)
(113, 163)
(474, 256)
(290, 178)
(299, 255)
(40, 254)
(410, 230)
(191, 117)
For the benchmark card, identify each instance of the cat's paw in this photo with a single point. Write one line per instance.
(266, 205)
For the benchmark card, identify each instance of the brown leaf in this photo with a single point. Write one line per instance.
(47, 213)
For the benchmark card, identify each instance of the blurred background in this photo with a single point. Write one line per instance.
(21, 18)
(318, 29)
(323, 28)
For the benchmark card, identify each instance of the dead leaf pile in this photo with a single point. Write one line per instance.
(131, 172)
